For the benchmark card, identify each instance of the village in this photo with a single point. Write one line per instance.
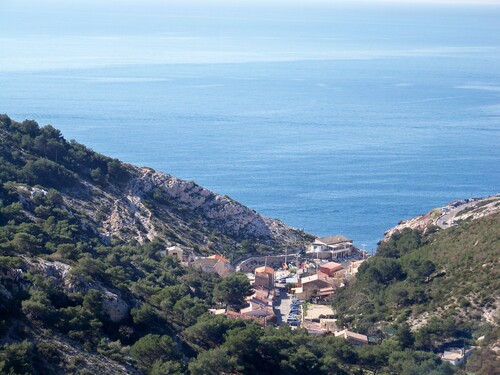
(294, 289)
(297, 288)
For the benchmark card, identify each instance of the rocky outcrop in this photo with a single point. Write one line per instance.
(121, 201)
(419, 223)
(114, 307)
(157, 205)
(226, 214)
(477, 209)
(60, 275)
(450, 215)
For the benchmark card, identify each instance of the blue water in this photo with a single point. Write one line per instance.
(343, 122)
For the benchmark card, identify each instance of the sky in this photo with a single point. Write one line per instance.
(255, 2)
(88, 33)
(145, 3)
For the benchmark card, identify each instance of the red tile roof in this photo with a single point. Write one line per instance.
(219, 257)
(265, 269)
(331, 266)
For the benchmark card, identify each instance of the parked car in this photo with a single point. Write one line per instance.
(293, 321)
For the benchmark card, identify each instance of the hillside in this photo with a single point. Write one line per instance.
(84, 288)
(449, 215)
(81, 278)
(124, 202)
(443, 284)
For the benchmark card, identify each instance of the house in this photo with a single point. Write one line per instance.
(456, 356)
(310, 286)
(328, 325)
(332, 269)
(176, 251)
(223, 268)
(331, 247)
(183, 254)
(324, 294)
(264, 277)
(353, 337)
(217, 311)
(264, 294)
(259, 309)
(313, 328)
(262, 319)
(214, 263)
(218, 257)
(325, 326)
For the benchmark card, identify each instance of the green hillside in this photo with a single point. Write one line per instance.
(123, 202)
(84, 290)
(444, 285)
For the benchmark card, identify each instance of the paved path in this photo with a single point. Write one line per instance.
(446, 220)
(282, 307)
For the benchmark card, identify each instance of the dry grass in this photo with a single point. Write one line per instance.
(314, 311)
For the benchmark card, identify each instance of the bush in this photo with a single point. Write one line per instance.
(17, 358)
(151, 348)
(47, 173)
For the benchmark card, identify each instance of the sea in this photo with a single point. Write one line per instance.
(336, 119)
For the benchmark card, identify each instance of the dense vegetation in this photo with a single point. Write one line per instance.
(35, 155)
(128, 202)
(72, 302)
(445, 284)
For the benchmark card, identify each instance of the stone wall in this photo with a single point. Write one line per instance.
(251, 264)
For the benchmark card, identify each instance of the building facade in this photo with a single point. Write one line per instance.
(331, 247)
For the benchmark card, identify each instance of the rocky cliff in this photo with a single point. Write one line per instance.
(157, 205)
(121, 201)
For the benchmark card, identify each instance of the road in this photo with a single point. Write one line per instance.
(446, 220)
(282, 307)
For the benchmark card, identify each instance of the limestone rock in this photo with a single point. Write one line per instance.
(114, 307)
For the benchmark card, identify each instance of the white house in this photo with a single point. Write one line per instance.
(456, 356)
(333, 246)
